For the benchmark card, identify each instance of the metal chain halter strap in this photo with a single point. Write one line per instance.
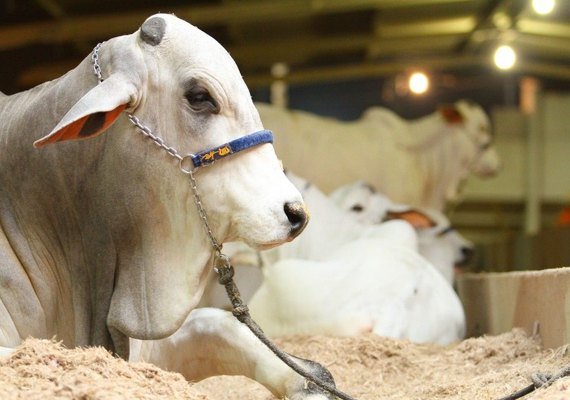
(222, 265)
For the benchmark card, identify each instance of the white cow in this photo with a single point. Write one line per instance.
(330, 228)
(101, 240)
(343, 277)
(420, 162)
(365, 286)
(439, 243)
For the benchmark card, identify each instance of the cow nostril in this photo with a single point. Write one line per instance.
(297, 216)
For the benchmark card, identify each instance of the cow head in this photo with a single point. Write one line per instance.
(481, 158)
(187, 89)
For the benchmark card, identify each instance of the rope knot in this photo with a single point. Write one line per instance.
(225, 274)
(240, 311)
(224, 269)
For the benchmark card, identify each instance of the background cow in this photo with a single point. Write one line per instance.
(438, 241)
(420, 162)
(342, 277)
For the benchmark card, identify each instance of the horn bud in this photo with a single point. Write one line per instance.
(152, 30)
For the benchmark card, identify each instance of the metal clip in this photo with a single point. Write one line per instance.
(186, 164)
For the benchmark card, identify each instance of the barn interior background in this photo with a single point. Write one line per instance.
(338, 57)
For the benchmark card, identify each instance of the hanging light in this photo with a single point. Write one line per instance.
(418, 83)
(505, 57)
(543, 7)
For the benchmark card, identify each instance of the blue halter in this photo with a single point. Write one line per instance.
(207, 157)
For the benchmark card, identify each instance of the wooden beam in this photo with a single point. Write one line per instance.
(351, 5)
(292, 51)
(482, 19)
(426, 27)
(298, 49)
(365, 70)
(552, 47)
(544, 28)
(34, 76)
(102, 26)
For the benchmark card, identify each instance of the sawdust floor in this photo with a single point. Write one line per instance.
(372, 367)
(366, 367)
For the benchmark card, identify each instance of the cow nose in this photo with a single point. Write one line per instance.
(298, 217)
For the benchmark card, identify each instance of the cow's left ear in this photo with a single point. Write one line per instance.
(94, 112)
(416, 218)
(451, 114)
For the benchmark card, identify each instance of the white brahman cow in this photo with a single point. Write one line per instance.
(344, 277)
(365, 286)
(439, 243)
(101, 240)
(420, 162)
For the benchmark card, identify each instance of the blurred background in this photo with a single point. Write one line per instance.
(336, 58)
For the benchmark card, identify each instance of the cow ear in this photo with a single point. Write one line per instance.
(94, 112)
(451, 114)
(416, 218)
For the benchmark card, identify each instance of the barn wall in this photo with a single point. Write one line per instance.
(512, 129)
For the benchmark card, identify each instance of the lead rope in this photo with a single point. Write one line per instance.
(225, 271)
(222, 264)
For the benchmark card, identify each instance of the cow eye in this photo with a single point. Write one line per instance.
(357, 208)
(200, 100)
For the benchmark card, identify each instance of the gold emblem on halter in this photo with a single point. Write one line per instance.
(211, 155)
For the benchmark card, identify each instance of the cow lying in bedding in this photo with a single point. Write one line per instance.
(101, 241)
(341, 277)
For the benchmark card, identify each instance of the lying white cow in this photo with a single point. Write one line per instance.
(101, 240)
(344, 277)
(330, 228)
(420, 162)
(365, 286)
(439, 243)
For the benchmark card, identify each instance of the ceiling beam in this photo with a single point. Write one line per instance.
(482, 20)
(349, 72)
(102, 26)
(291, 51)
(426, 27)
(552, 48)
(52, 7)
(352, 5)
(544, 28)
(364, 70)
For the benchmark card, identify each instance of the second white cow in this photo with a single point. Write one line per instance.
(343, 277)
(367, 285)
(420, 162)
(439, 242)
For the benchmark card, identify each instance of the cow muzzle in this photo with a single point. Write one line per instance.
(298, 217)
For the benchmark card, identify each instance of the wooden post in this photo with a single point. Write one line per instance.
(531, 104)
(278, 90)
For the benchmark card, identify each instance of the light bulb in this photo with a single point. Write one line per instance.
(418, 83)
(505, 57)
(543, 7)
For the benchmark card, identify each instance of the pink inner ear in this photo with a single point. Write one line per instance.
(416, 218)
(89, 126)
(451, 114)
